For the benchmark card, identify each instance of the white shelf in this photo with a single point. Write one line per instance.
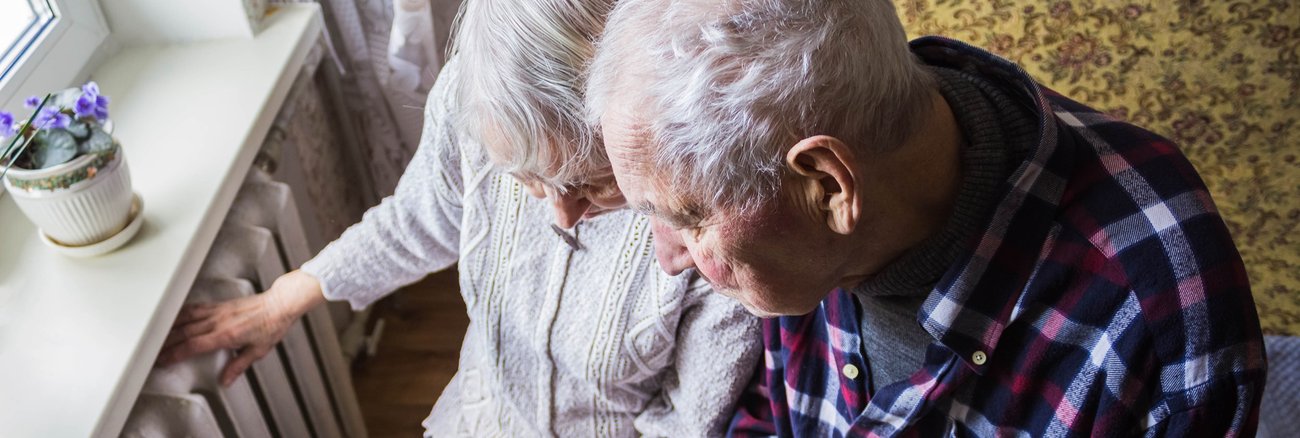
(79, 336)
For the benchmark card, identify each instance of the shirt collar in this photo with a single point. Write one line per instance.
(975, 300)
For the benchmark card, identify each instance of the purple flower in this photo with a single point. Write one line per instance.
(90, 88)
(85, 106)
(6, 125)
(51, 118)
(101, 108)
(31, 102)
(91, 103)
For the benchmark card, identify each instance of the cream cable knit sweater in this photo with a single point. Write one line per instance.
(593, 342)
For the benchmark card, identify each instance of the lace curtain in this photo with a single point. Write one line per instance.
(389, 53)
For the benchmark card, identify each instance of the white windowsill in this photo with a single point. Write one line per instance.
(79, 336)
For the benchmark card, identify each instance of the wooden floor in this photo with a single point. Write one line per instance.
(424, 324)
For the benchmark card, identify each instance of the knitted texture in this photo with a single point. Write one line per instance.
(593, 342)
(1278, 412)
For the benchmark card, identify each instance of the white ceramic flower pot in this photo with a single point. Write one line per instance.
(81, 202)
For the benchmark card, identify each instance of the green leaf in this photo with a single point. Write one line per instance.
(79, 129)
(54, 147)
(99, 141)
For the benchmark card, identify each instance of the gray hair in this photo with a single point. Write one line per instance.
(725, 88)
(521, 92)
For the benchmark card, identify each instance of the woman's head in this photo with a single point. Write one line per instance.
(521, 97)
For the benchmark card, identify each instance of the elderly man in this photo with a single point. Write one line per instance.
(957, 248)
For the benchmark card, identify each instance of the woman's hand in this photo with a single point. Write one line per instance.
(250, 325)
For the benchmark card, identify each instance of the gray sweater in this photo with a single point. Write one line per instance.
(561, 342)
(997, 133)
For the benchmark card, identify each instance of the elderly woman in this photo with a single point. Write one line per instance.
(572, 333)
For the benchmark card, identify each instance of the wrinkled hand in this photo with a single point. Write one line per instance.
(249, 325)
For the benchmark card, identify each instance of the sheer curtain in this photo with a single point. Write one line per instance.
(388, 53)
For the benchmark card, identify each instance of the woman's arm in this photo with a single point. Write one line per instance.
(410, 234)
(716, 350)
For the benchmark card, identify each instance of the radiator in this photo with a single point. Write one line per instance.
(302, 388)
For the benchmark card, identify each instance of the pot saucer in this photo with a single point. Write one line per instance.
(113, 242)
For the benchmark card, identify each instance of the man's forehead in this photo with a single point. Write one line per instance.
(638, 189)
(626, 134)
(627, 144)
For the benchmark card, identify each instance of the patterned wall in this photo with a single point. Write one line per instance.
(335, 200)
(1221, 78)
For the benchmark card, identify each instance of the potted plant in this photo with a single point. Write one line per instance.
(68, 174)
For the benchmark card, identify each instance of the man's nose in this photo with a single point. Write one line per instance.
(569, 209)
(670, 250)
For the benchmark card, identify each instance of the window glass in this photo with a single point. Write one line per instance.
(21, 23)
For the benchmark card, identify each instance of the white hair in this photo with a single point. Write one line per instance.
(520, 91)
(725, 88)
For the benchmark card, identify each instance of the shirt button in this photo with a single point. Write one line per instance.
(979, 357)
(850, 371)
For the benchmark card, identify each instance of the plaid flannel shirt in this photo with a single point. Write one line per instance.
(1104, 297)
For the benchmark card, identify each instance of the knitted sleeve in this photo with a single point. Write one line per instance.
(717, 349)
(411, 233)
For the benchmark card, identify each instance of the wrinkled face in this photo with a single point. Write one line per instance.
(572, 204)
(774, 261)
(598, 194)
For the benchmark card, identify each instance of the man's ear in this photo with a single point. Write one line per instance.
(824, 168)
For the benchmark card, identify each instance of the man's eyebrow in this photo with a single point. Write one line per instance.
(677, 220)
(646, 208)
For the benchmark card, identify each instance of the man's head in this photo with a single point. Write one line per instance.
(520, 96)
(767, 135)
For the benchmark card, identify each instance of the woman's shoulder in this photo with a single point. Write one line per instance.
(441, 111)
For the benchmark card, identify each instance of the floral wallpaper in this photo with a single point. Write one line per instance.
(1221, 78)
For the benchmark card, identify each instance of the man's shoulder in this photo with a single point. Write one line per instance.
(1142, 206)
(1132, 193)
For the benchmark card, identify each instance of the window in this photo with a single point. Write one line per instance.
(45, 45)
(20, 23)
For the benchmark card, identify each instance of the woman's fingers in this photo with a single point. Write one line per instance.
(180, 333)
(176, 353)
(197, 345)
(252, 325)
(241, 363)
(191, 312)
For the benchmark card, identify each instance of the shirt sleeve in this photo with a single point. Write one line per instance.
(1231, 410)
(411, 233)
(1203, 319)
(717, 348)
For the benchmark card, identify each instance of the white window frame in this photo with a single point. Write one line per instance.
(59, 56)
